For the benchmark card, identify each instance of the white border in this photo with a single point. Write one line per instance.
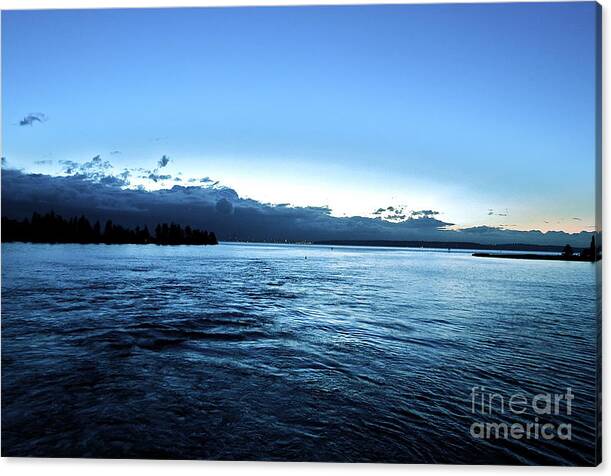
(67, 467)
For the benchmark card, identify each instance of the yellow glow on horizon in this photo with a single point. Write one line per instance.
(353, 195)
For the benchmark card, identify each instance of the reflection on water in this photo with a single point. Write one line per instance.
(287, 352)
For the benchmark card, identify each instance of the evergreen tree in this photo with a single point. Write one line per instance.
(52, 228)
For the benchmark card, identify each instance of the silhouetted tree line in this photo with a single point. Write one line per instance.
(52, 228)
(593, 250)
(592, 253)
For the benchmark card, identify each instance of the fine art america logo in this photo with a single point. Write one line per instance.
(521, 415)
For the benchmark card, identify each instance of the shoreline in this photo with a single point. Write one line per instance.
(446, 245)
(533, 256)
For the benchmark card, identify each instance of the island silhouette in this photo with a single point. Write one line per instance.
(566, 253)
(52, 228)
(591, 253)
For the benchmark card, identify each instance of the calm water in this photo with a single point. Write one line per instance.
(288, 352)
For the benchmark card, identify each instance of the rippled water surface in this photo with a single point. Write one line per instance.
(288, 352)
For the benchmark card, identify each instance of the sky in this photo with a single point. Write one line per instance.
(482, 115)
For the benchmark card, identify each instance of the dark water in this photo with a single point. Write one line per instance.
(254, 352)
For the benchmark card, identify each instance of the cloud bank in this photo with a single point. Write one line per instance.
(90, 190)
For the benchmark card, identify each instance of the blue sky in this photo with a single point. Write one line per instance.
(484, 113)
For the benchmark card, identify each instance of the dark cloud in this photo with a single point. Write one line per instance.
(115, 152)
(111, 180)
(478, 230)
(424, 213)
(499, 214)
(399, 214)
(163, 161)
(201, 180)
(69, 166)
(231, 217)
(31, 118)
(95, 165)
(154, 174)
(124, 176)
(224, 207)
(391, 213)
(43, 162)
(217, 208)
(323, 210)
(96, 170)
(155, 177)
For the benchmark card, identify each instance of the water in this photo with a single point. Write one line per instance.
(285, 352)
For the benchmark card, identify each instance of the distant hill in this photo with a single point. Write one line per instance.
(457, 245)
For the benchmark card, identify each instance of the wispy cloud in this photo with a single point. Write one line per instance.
(69, 166)
(504, 213)
(391, 213)
(424, 213)
(200, 180)
(31, 118)
(163, 161)
(399, 213)
(155, 177)
(96, 170)
(154, 174)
